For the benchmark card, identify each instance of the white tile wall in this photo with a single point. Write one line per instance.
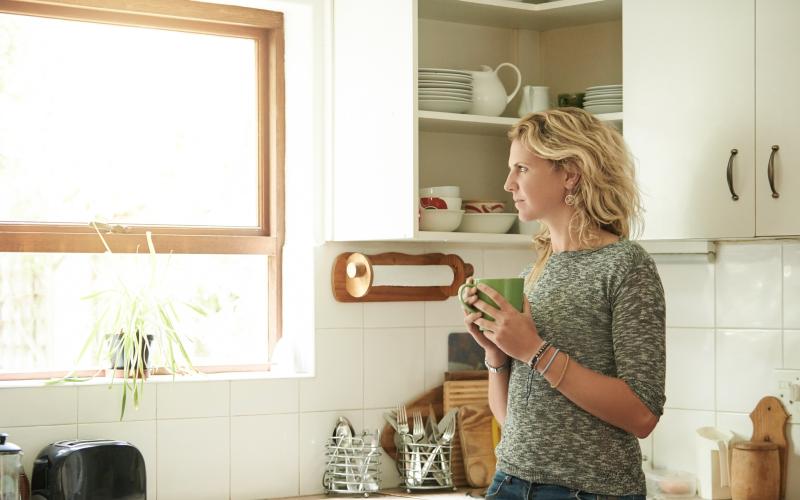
(193, 458)
(263, 397)
(731, 321)
(436, 353)
(193, 399)
(688, 282)
(791, 285)
(394, 365)
(749, 285)
(745, 359)
(338, 384)
(791, 349)
(264, 456)
(39, 406)
(690, 389)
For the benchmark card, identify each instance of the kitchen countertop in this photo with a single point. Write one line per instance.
(459, 494)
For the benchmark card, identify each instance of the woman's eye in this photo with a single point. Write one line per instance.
(522, 168)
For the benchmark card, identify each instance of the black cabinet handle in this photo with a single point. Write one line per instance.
(771, 170)
(730, 175)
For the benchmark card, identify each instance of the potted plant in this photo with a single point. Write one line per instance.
(135, 329)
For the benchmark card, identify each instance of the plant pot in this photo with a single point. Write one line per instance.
(119, 354)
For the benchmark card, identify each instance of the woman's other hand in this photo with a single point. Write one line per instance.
(494, 355)
(513, 332)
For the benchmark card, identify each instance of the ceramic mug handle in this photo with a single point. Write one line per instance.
(519, 79)
(461, 296)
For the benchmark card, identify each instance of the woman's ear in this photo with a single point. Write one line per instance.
(571, 179)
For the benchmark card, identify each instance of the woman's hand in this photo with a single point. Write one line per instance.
(494, 355)
(513, 332)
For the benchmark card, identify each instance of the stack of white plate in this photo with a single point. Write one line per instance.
(603, 99)
(448, 90)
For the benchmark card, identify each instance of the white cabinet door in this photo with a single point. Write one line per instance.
(374, 138)
(688, 72)
(777, 116)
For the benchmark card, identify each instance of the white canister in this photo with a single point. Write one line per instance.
(713, 463)
(534, 98)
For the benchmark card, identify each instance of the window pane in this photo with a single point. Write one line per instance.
(125, 124)
(44, 322)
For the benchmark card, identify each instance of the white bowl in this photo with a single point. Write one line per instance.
(439, 191)
(445, 106)
(484, 206)
(486, 223)
(440, 202)
(439, 220)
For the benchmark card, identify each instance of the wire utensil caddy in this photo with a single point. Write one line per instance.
(352, 465)
(425, 466)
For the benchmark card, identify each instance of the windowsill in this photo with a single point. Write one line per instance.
(160, 379)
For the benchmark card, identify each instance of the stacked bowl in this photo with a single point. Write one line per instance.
(486, 216)
(440, 208)
(603, 99)
(446, 90)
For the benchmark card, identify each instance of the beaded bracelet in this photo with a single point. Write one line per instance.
(535, 359)
(547, 366)
(563, 372)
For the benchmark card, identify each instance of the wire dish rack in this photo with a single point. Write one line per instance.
(425, 466)
(353, 465)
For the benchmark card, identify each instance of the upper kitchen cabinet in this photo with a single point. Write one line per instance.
(385, 149)
(373, 182)
(777, 117)
(704, 104)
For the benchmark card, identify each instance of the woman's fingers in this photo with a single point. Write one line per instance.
(486, 308)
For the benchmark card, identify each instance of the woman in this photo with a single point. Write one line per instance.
(578, 375)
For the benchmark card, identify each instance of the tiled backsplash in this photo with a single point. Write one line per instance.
(730, 322)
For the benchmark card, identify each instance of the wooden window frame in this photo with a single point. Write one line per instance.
(266, 28)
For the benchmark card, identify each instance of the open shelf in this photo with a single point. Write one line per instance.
(434, 121)
(664, 247)
(482, 238)
(516, 14)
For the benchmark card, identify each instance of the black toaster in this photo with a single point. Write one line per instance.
(89, 470)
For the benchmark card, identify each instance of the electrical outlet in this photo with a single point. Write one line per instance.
(788, 390)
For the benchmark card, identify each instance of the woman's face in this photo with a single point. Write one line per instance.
(538, 188)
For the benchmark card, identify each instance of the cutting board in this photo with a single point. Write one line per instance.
(769, 425)
(458, 393)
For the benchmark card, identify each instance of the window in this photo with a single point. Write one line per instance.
(146, 116)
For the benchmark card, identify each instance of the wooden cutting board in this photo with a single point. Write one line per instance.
(769, 425)
(458, 393)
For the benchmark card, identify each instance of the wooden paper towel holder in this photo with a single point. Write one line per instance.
(352, 277)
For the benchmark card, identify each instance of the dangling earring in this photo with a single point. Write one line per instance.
(569, 199)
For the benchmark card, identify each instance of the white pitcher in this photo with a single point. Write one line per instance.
(489, 97)
(534, 99)
(713, 463)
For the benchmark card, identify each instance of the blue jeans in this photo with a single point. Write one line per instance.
(507, 487)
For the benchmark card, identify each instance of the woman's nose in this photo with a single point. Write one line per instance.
(509, 186)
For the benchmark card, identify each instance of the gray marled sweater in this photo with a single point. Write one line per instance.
(605, 308)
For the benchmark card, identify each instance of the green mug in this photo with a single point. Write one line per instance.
(510, 288)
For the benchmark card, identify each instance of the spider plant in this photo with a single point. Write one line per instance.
(137, 317)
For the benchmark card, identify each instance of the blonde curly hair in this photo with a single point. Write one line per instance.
(606, 195)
